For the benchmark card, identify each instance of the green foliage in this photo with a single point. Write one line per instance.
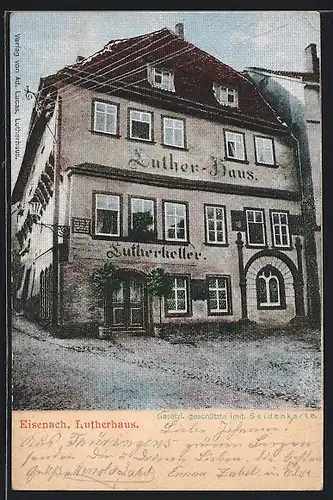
(105, 281)
(142, 227)
(159, 283)
(142, 222)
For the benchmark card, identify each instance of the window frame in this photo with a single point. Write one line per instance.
(163, 117)
(151, 73)
(225, 243)
(129, 128)
(282, 290)
(188, 301)
(273, 211)
(257, 162)
(187, 233)
(103, 236)
(218, 86)
(255, 245)
(138, 197)
(93, 108)
(229, 311)
(230, 158)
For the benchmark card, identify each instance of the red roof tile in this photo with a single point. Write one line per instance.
(124, 62)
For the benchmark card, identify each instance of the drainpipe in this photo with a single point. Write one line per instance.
(55, 248)
(309, 226)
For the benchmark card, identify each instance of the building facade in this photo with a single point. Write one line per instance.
(296, 97)
(154, 154)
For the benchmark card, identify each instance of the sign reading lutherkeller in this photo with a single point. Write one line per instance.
(119, 250)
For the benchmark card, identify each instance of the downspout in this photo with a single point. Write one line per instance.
(310, 249)
(55, 248)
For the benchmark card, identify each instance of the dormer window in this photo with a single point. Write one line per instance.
(226, 95)
(161, 78)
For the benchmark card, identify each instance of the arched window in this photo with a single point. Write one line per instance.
(270, 289)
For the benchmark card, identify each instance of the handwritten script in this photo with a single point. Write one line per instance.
(161, 452)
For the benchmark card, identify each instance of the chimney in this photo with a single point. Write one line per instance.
(179, 30)
(79, 59)
(311, 59)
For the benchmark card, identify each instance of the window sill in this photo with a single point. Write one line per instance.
(134, 139)
(106, 237)
(256, 247)
(290, 247)
(236, 160)
(227, 313)
(210, 244)
(173, 242)
(105, 134)
(178, 315)
(271, 308)
(268, 165)
(179, 148)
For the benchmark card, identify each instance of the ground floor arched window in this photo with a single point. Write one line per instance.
(270, 289)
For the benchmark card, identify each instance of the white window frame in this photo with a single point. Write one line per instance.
(238, 139)
(107, 111)
(141, 117)
(175, 217)
(143, 201)
(266, 144)
(267, 280)
(215, 220)
(262, 222)
(106, 195)
(175, 289)
(222, 93)
(173, 124)
(216, 288)
(279, 226)
(167, 78)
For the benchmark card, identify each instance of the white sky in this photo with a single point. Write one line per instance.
(50, 40)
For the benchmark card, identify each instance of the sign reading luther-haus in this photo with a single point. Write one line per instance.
(213, 167)
(119, 250)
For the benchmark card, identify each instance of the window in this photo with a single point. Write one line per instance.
(219, 295)
(105, 117)
(270, 289)
(173, 132)
(140, 125)
(107, 215)
(161, 78)
(255, 225)
(235, 146)
(225, 95)
(215, 224)
(175, 221)
(142, 219)
(280, 229)
(264, 148)
(177, 302)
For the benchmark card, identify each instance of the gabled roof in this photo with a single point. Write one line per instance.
(120, 68)
(123, 63)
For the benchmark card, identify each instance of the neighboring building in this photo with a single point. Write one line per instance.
(156, 154)
(296, 98)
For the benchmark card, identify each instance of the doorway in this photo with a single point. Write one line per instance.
(128, 309)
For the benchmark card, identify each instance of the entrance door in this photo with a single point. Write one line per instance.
(127, 307)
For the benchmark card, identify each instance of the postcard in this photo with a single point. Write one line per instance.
(166, 250)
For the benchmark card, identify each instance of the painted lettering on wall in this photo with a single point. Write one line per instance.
(214, 166)
(118, 250)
